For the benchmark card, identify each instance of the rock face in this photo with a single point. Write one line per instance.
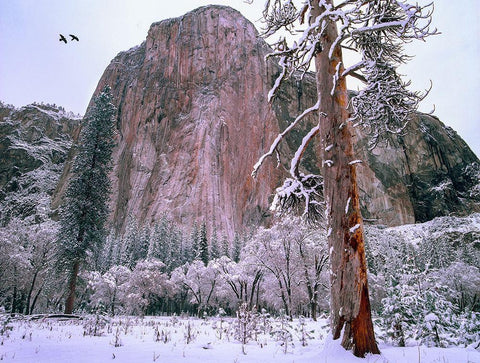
(193, 119)
(34, 143)
(427, 172)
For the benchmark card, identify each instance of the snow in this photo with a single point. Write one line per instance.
(163, 339)
(348, 205)
(431, 317)
(276, 142)
(279, 79)
(354, 228)
(298, 154)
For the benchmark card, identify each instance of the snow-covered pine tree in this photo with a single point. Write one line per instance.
(141, 249)
(158, 240)
(195, 242)
(109, 254)
(214, 245)
(225, 246)
(237, 247)
(376, 30)
(130, 241)
(85, 210)
(203, 244)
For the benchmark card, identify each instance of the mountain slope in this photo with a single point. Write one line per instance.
(34, 143)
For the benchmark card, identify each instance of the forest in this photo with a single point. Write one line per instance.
(424, 279)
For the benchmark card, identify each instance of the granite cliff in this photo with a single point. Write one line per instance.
(193, 119)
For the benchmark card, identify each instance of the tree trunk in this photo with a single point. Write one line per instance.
(72, 284)
(35, 298)
(350, 305)
(30, 291)
(14, 299)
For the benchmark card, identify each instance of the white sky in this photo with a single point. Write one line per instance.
(35, 66)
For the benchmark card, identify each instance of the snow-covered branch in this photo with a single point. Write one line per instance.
(280, 137)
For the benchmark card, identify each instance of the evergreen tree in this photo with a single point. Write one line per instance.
(203, 244)
(214, 245)
(141, 248)
(85, 210)
(129, 242)
(237, 247)
(225, 246)
(175, 242)
(108, 256)
(157, 240)
(195, 242)
(185, 248)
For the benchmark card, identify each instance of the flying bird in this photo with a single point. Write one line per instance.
(74, 37)
(62, 39)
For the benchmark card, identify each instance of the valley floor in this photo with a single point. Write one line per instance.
(172, 340)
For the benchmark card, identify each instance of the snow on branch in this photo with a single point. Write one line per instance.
(385, 105)
(301, 149)
(306, 191)
(279, 138)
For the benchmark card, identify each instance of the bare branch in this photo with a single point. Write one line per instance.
(301, 150)
(279, 138)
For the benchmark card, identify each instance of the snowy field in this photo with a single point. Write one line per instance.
(172, 340)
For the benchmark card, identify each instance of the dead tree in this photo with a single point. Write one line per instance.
(377, 30)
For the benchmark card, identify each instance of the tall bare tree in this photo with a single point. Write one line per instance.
(376, 30)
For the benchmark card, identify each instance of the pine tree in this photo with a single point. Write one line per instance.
(237, 247)
(157, 240)
(214, 245)
(130, 242)
(85, 210)
(195, 242)
(108, 255)
(175, 244)
(203, 244)
(141, 248)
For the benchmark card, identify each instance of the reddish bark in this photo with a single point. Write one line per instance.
(350, 306)
(72, 283)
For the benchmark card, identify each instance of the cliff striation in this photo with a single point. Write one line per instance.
(193, 119)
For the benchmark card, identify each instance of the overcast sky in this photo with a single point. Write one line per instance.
(35, 66)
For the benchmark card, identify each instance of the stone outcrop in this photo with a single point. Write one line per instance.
(428, 171)
(193, 119)
(34, 143)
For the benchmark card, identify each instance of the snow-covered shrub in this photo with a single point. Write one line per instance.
(95, 325)
(246, 325)
(468, 331)
(303, 334)
(282, 332)
(190, 333)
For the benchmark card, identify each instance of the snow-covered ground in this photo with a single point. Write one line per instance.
(172, 339)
